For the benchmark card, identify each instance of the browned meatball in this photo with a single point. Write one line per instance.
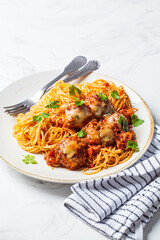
(123, 138)
(50, 159)
(76, 116)
(99, 108)
(107, 136)
(112, 122)
(69, 153)
(92, 130)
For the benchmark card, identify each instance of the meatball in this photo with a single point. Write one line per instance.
(127, 112)
(107, 136)
(69, 153)
(123, 138)
(76, 116)
(112, 121)
(92, 130)
(50, 159)
(99, 108)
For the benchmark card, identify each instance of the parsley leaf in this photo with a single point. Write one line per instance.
(29, 159)
(78, 102)
(136, 121)
(102, 96)
(45, 115)
(81, 133)
(52, 104)
(132, 144)
(124, 123)
(73, 89)
(39, 118)
(115, 94)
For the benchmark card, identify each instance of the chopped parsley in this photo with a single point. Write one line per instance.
(136, 121)
(29, 159)
(133, 145)
(81, 133)
(124, 123)
(39, 118)
(52, 104)
(102, 96)
(45, 115)
(115, 94)
(77, 116)
(78, 102)
(73, 89)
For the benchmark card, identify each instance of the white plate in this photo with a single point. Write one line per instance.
(12, 154)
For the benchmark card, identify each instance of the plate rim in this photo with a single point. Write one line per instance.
(55, 180)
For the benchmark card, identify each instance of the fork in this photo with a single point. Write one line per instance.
(76, 63)
(25, 105)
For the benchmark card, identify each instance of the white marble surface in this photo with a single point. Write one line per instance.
(42, 35)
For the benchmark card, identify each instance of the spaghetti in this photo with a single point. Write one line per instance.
(44, 136)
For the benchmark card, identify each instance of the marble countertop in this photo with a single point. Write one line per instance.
(43, 35)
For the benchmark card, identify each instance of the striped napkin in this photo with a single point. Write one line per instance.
(120, 206)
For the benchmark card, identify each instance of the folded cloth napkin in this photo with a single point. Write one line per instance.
(119, 206)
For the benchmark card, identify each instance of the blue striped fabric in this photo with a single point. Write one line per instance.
(119, 206)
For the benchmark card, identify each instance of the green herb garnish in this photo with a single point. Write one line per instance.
(102, 96)
(52, 104)
(136, 121)
(39, 118)
(81, 133)
(73, 89)
(29, 159)
(78, 102)
(45, 115)
(115, 94)
(77, 116)
(124, 123)
(132, 144)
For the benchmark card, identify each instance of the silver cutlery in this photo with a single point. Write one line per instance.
(75, 64)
